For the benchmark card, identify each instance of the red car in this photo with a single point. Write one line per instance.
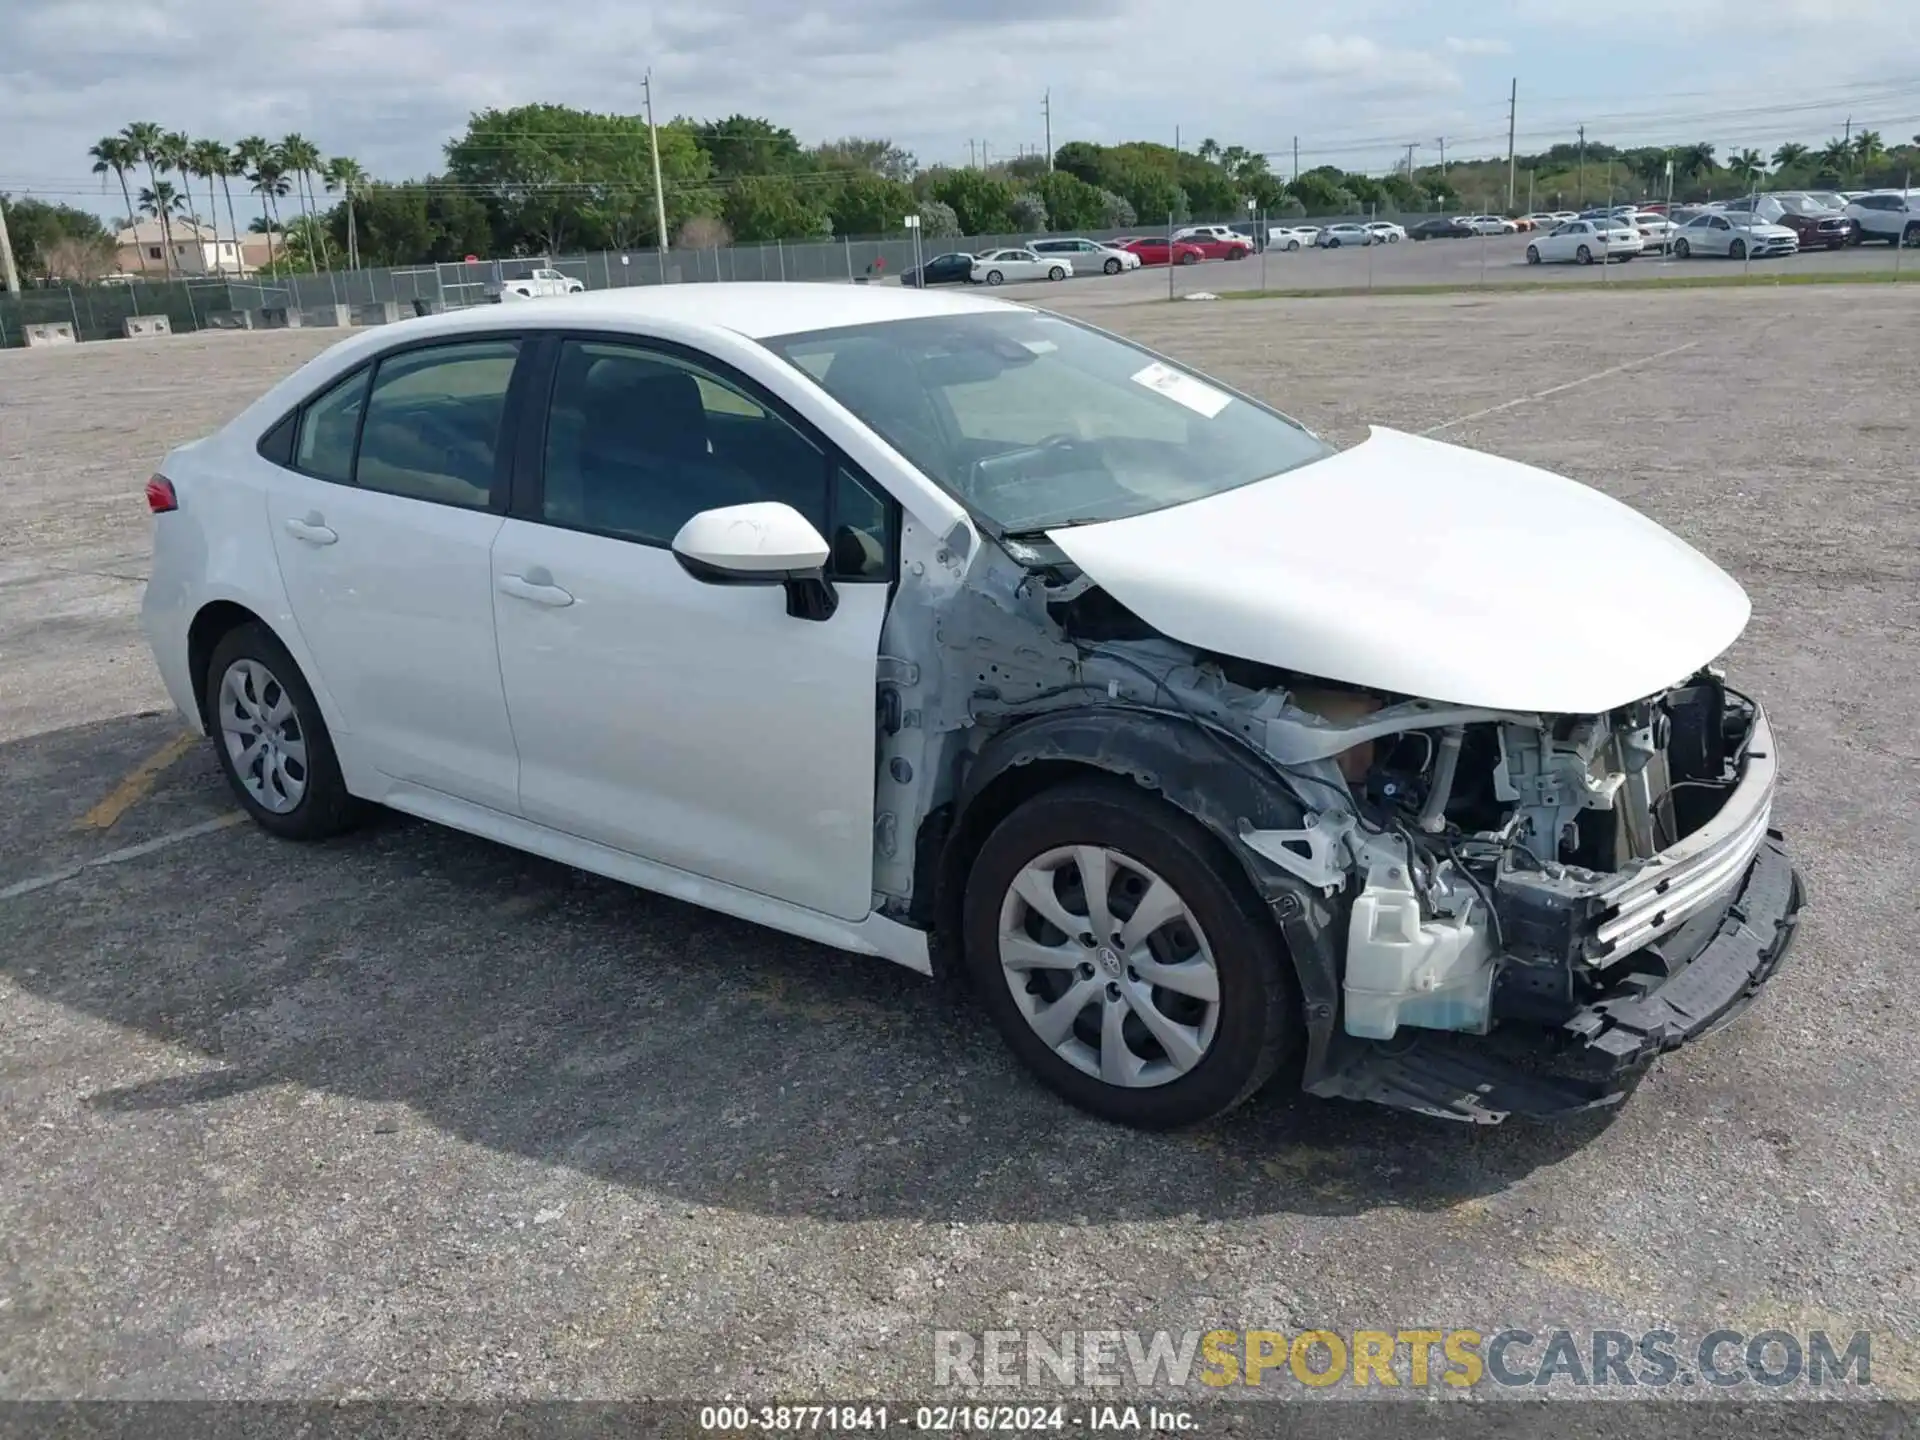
(1154, 250)
(1216, 242)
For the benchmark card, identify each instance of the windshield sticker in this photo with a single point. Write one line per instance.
(1198, 397)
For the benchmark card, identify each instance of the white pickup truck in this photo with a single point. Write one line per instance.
(534, 283)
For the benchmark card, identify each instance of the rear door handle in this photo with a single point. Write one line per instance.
(313, 530)
(536, 585)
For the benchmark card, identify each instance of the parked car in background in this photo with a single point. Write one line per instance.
(1388, 231)
(1585, 242)
(1440, 228)
(1158, 250)
(1814, 225)
(1737, 236)
(994, 267)
(1523, 223)
(1888, 215)
(1345, 233)
(1543, 219)
(534, 284)
(1656, 231)
(1291, 237)
(1216, 242)
(953, 268)
(1491, 225)
(1087, 256)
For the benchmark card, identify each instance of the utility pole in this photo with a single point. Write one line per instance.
(1849, 135)
(1513, 104)
(1441, 141)
(1176, 148)
(1046, 109)
(972, 160)
(1410, 145)
(1296, 157)
(659, 190)
(7, 270)
(1580, 195)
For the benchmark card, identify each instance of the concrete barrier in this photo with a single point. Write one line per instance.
(329, 315)
(60, 333)
(230, 319)
(379, 312)
(277, 317)
(136, 327)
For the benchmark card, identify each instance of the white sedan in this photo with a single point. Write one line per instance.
(1734, 235)
(1345, 233)
(993, 267)
(1491, 225)
(1291, 237)
(1388, 231)
(763, 597)
(1089, 255)
(1583, 242)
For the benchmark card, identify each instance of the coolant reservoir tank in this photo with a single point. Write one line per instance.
(1402, 970)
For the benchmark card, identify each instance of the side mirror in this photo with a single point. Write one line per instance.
(764, 543)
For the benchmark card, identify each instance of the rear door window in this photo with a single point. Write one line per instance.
(432, 428)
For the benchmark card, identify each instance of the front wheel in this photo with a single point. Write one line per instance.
(994, 277)
(1584, 255)
(1293, 244)
(1123, 960)
(1334, 244)
(1188, 258)
(1533, 254)
(273, 745)
(1737, 250)
(1056, 273)
(1112, 267)
(1682, 249)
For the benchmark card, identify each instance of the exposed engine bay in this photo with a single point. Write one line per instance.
(1460, 866)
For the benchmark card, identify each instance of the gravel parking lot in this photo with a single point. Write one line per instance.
(411, 1114)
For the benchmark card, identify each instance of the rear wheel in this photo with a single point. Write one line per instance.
(1682, 249)
(1334, 243)
(1293, 244)
(272, 743)
(1188, 258)
(994, 277)
(1122, 960)
(1533, 254)
(1584, 255)
(1911, 236)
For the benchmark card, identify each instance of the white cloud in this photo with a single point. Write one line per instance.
(1455, 45)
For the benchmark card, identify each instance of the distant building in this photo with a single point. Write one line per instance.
(197, 250)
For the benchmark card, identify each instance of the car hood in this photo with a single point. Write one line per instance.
(1426, 569)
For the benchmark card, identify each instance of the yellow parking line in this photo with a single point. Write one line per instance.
(134, 787)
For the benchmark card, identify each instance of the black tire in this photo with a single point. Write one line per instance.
(1737, 250)
(994, 277)
(1533, 254)
(1258, 1025)
(325, 809)
(1187, 257)
(1911, 235)
(1682, 249)
(1112, 267)
(1293, 245)
(1584, 255)
(1334, 243)
(1054, 272)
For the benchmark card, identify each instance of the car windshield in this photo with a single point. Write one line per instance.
(1032, 420)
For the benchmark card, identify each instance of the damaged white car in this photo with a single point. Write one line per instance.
(970, 636)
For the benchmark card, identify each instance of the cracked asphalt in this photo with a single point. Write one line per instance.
(409, 1114)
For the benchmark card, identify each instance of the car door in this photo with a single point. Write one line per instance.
(383, 517)
(695, 724)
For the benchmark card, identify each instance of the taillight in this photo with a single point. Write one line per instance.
(160, 496)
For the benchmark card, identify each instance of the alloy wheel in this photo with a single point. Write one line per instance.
(1109, 966)
(264, 738)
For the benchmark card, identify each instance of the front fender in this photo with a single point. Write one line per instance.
(1204, 773)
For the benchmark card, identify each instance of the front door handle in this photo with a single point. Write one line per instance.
(313, 529)
(536, 585)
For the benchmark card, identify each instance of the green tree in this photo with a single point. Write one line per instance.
(1837, 159)
(1791, 153)
(349, 177)
(209, 161)
(270, 183)
(143, 138)
(1024, 167)
(937, 220)
(1084, 161)
(1319, 195)
(1694, 161)
(979, 201)
(1746, 166)
(117, 155)
(550, 175)
(1071, 203)
(299, 158)
(1211, 192)
(1116, 211)
(870, 204)
(744, 145)
(57, 241)
(1209, 149)
(1868, 150)
(767, 207)
(873, 157)
(1154, 195)
(1028, 213)
(414, 223)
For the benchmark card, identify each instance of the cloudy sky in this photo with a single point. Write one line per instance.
(388, 81)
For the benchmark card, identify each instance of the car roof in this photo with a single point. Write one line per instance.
(753, 308)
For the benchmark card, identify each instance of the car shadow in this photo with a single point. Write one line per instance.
(546, 1013)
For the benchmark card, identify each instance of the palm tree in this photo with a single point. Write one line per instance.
(299, 156)
(1791, 153)
(161, 200)
(173, 152)
(1695, 160)
(1869, 150)
(1837, 158)
(249, 155)
(1747, 166)
(1651, 167)
(1209, 148)
(346, 175)
(144, 138)
(270, 183)
(210, 161)
(114, 153)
